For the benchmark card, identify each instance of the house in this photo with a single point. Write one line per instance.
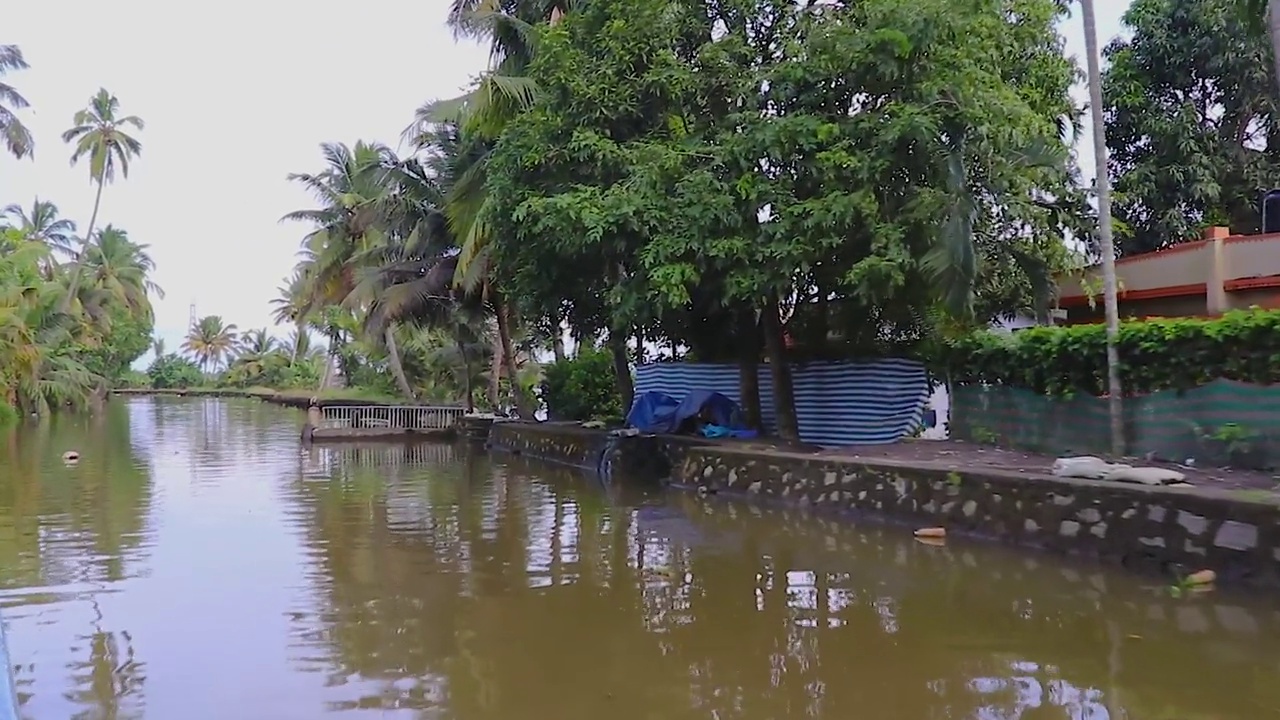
(1207, 277)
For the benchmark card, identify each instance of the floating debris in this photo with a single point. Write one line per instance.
(1202, 577)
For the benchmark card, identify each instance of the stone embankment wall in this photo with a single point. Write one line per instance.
(641, 458)
(1142, 527)
(1135, 525)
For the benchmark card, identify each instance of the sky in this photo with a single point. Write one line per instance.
(236, 95)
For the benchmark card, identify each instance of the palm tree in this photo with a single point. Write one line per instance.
(157, 347)
(289, 304)
(98, 132)
(256, 342)
(210, 341)
(16, 135)
(34, 375)
(477, 120)
(120, 268)
(298, 345)
(41, 224)
(352, 191)
(1105, 240)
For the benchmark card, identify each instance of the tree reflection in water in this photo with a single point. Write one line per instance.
(522, 591)
(429, 581)
(77, 532)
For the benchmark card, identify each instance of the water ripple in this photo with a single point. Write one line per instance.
(198, 557)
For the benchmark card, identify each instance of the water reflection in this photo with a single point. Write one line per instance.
(198, 564)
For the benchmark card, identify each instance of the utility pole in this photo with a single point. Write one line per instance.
(1106, 241)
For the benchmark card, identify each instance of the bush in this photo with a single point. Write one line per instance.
(581, 387)
(172, 371)
(1160, 354)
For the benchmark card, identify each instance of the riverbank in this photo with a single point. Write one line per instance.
(1169, 530)
(290, 398)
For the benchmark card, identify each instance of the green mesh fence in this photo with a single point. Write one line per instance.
(1222, 423)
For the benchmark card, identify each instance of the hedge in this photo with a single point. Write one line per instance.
(1157, 354)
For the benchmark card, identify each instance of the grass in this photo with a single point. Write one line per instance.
(334, 394)
(1259, 496)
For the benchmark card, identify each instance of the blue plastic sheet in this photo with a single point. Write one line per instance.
(657, 412)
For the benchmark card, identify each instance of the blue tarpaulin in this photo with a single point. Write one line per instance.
(657, 412)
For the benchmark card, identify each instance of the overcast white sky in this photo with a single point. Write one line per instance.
(236, 95)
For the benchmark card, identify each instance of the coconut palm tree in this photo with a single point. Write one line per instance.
(290, 302)
(256, 342)
(299, 346)
(121, 269)
(477, 120)
(34, 375)
(210, 341)
(41, 224)
(99, 134)
(157, 347)
(17, 138)
(349, 228)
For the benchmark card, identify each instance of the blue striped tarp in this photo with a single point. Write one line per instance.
(837, 403)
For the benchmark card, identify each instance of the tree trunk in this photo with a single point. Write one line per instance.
(557, 345)
(393, 359)
(495, 372)
(749, 367)
(784, 402)
(466, 377)
(509, 360)
(1105, 240)
(622, 369)
(328, 370)
(74, 285)
(1273, 28)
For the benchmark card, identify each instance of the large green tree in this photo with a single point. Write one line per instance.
(1191, 107)
(872, 164)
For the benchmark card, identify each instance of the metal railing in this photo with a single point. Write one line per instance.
(408, 417)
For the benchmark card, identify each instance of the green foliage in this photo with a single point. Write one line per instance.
(1191, 121)
(128, 339)
(133, 379)
(8, 414)
(174, 371)
(581, 387)
(1165, 354)
(900, 167)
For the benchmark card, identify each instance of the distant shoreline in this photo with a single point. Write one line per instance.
(288, 398)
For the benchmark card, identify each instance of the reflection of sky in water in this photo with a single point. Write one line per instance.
(817, 601)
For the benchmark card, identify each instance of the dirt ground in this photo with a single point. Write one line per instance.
(957, 455)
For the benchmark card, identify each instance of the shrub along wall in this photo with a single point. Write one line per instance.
(1198, 388)
(581, 387)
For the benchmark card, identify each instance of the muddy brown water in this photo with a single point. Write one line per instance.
(197, 564)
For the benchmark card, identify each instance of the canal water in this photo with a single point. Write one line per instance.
(197, 564)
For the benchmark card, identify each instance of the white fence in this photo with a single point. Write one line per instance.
(407, 417)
